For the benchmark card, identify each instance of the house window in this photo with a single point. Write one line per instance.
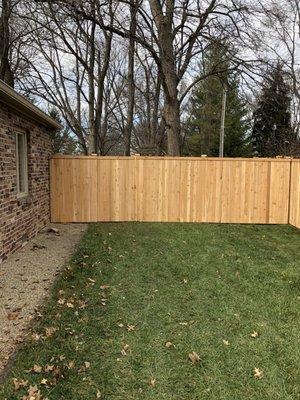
(22, 167)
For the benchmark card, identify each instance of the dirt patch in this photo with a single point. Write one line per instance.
(25, 279)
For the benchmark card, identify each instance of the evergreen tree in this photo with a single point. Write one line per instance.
(272, 133)
(203, 124)
(62, 140)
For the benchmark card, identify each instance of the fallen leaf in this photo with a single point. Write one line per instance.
(48, 368)
(35, 337)
(33, 394)
(152, 382)
(169, 344)
(50, 331)
(225, 342)
(82, 304)
(71, 364)
(37, 369)
(254, 334)
(258, 373)
(124, 350)
(194, 357)
(130, 328)
(98, 394)
(19, 383)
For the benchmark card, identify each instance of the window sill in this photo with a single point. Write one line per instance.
(22, 195)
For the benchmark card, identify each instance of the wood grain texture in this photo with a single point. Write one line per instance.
(295, 194)
(158, 189)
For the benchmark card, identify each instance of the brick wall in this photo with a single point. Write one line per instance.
(22, 218)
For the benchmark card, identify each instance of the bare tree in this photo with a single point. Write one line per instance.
(279, 24)
(149, 130)
(173, 32)
(75, 59)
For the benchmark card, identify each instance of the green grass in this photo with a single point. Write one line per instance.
(193, 285)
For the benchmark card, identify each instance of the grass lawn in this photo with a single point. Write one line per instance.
(131, 288)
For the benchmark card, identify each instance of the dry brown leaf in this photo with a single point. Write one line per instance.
(33, 394)
(103, 287)
(194, 357)
(169, 344)
(44, 382)
(48, 368)
(70, 305)
(254, 334)
(225, 342)
(258, 373)
(130, 328)
(57, 372)
(19, 383)
(98, 394)
(36, 337)
(37, 368)
(50, 331)
(82, 304)
(71, 364)
(125, 349)
(152, 382)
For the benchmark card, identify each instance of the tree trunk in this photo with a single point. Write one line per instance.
(172, 121)
(164, 24)
(130, 82)
(5, 70)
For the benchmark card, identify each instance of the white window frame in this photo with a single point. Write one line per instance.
(23, 193)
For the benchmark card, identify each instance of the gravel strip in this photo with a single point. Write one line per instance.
(25, 278)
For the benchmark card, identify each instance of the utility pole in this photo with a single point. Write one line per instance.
(222, 129)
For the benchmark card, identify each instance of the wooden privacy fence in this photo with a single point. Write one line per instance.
(294, 214)
(88, 189)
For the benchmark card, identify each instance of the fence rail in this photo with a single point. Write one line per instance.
(163, 189)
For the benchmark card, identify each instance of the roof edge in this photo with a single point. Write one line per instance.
(12, 98)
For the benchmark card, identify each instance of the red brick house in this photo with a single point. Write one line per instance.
(25, 149)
